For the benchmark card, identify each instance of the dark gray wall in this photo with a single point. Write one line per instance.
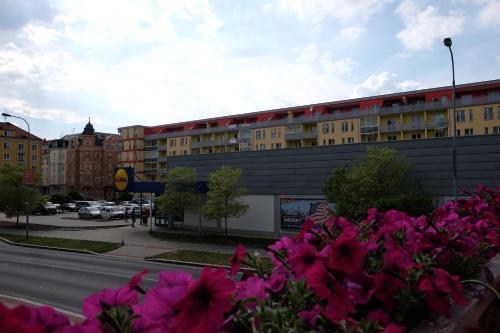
(304, 170)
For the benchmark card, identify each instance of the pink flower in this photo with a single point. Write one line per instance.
(253, 287)
(136, 280)
(361, 288)
(380, 317)
(18, 320)
(325, 286)
(397, 261)
(311, 316)
(385, 286)
(202, 308)
(306, 226)
(236, 259)
(94, 304)
(304, 258)
(168, 279)
(393, 328)
(276, 281)
(347, 254)
(49, 318)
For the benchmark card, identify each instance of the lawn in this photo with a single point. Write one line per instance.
(251, 242)
(76, 244)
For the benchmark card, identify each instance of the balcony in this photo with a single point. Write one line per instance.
(162, 148)
(202, 144)
(293, 135)
(390, 128)
(369, 129)
(162, 159)
(162, 171)
(437, 124)
(310, 135)
(150, 160)
(150, 148)
(414, 127)
(150, 171)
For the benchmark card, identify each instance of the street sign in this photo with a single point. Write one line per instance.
(28, 176)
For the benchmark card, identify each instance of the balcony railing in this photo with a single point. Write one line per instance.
(337, 115)
(293, 135)
(310, 135)
(437, 124)
(162, 148)
(369, 129)
(150, 171)
(201, 144)
(391, 128)
(414, 126)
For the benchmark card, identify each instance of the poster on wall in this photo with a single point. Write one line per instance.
(295, 210)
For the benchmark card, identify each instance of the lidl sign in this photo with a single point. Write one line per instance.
(124, 179)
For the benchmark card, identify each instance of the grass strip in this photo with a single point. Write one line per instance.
(253, 242)
(202, 257)
(76, 244)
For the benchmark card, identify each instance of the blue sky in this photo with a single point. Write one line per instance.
(143, 62)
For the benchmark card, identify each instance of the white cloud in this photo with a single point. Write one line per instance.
(489, 14)
(23, 108)
(498, 58)
(267, 7)
(383, 83)
(345, 11)
(424, 26)
(352, 33)
(338, 68)
(307, 54)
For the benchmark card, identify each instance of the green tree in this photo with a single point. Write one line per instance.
(124, 196)
(14, 194)
(59, 198)
(223, 196)
(381, 180)
(180, 192)
(75, 195)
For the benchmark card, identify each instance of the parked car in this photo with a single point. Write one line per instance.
(45, 208)
(111, 212)
(69, 206)
(92, 212)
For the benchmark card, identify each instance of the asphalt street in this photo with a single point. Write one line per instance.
(64, 279)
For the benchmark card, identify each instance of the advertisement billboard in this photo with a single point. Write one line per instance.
(295, 210)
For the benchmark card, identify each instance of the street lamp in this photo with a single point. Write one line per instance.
(7, 115)
(447, 42)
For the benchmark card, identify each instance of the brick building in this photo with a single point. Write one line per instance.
(91, 158)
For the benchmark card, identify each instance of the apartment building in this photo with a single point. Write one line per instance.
(91, 158)
(411, 115)
(54, 165)
(14, 143)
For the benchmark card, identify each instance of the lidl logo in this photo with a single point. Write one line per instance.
(121, 179)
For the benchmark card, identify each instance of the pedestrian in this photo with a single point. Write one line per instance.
(126, 214)
(132, 216)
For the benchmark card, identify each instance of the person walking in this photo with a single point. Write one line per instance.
(126, 214)
(132, 216)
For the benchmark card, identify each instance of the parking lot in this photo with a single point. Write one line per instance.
(66, 219)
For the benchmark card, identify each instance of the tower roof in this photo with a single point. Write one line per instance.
(89, 129)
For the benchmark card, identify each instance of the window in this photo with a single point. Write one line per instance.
(391, 138)
(274, 132)
(352, 126)
(416, 136)
(33, 158)
(34, 147)
(391, 124)
(458, 132)
(262, 146)
(97, 155)
(350, 140)
(486, 130)
(331, 141)
(278, 145)
(443, 100)
(20, 157)
(471, 115)
(21, 147)
(343, 140)
(6, 145)
(263, 134)
(6, 157)
(345, 126)
(469, 131)
(258, 135)
(7, 133)
(333, 127)
(488, 113)
(498, 112)
(460, 116)
(496, 130)
(326, 128)
(174, 153)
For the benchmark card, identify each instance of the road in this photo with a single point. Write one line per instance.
(64, 279)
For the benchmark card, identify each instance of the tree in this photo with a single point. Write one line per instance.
(180, 192)
(59, 198)
(14, 194)
(381, 180)
(224, 191)
(75, 195)
(124, 196)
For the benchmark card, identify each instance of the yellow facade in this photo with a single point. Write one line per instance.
(269, 138)
(14, 148)
(344, 131)
(477, 120)
(132, 152)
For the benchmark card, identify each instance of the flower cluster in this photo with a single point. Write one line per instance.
(381, 274)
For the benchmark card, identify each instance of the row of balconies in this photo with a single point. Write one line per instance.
(414, 126)
(355, 113)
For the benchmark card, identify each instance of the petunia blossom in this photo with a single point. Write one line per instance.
(236, 259)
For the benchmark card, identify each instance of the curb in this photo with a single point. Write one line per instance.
(195, 264)
(23, 301)
(48, 247)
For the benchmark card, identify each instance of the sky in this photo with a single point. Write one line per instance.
(127, 62)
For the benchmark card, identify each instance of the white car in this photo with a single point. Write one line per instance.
(112, 212)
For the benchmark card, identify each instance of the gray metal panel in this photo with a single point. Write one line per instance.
(303, 171)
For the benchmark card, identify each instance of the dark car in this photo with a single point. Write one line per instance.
(69, 206)
(45, 209)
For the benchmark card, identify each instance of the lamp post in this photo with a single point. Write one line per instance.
(7, 115)
(447, 42)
